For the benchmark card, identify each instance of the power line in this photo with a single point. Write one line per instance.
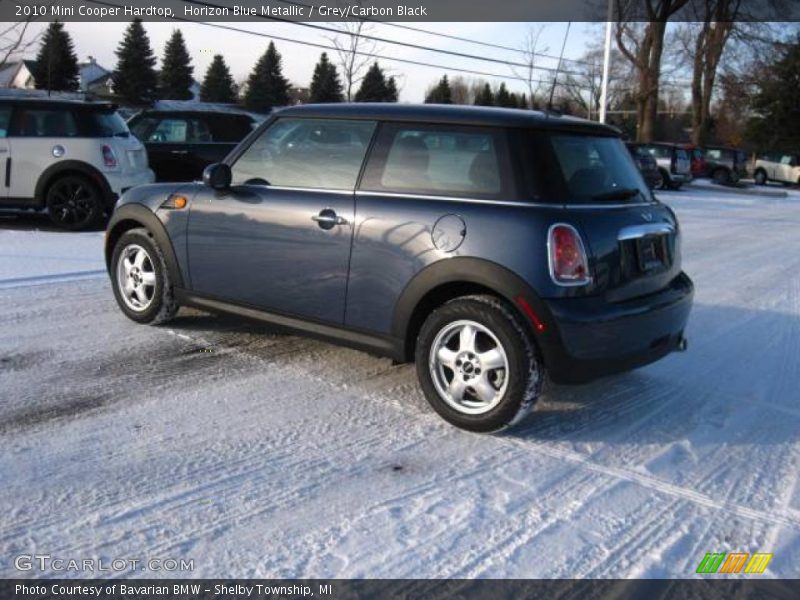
(384, 40)
(331, 47)
(453, 37)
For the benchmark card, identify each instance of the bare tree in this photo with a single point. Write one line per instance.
(15, 39)
(531, 50)
(642, 44)
(353, 52)
(582, 84)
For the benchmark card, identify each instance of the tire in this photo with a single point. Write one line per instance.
(140, 279)
(657, 183)
(666, 182)
(452, 351)
(760, 177)
(74, 203)
(721, 176)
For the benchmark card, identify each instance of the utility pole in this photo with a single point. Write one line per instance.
(606, 63)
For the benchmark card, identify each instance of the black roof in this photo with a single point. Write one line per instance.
(58, 102)
(449, 113)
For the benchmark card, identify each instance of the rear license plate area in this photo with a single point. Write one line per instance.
(651, 253)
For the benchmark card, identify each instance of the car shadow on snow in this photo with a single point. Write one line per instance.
(737, 384)
(29, 220)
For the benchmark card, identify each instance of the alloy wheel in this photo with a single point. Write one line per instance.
(469, 367)
(136, 277)
(72, 203)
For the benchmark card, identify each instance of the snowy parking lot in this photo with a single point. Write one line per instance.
(257, 454)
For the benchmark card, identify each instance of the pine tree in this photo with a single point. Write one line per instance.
(135, 80)
(484, 97)
(391, 90)
(503, 98)
(56, 65)
(373, 87)
(266, 86)
(176, 70)
(523, 101)
(325, 84)
(218, 85)
(441, 93)
(776, 102)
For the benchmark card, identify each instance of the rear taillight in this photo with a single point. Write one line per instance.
(109, 158)
(567, 258)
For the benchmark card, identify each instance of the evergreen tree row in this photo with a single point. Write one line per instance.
(136, 80)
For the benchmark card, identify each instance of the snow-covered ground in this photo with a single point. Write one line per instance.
(264, 455)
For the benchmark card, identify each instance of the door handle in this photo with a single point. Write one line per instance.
(179, 152)
(327, 219)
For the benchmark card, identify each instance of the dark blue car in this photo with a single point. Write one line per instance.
(490, 246)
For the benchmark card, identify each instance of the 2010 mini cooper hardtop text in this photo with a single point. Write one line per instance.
(490, 246)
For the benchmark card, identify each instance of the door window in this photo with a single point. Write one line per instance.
(437, 160)
(312, 153)
(170, 131)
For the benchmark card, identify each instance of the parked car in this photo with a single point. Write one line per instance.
(725, 165)
(72, 158)
(182, 143)
(647, 165)
(699, 168)
(777, 166)
(490, 246)
(673, 164)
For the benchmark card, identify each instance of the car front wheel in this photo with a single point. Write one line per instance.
(760, 178)
(478, 364)
(140, 279)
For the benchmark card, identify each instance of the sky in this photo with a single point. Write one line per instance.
(242, 50)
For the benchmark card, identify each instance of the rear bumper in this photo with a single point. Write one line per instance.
(598, 338)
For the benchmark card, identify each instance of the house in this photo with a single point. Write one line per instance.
(94, 79)
(18, 75)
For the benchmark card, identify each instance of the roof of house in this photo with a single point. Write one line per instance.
(449, 113)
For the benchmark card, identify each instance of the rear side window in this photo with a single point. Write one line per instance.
(45, 123)
(311, 153)
(229, 129)
(172, 130)
(659, 151)
(437, 160)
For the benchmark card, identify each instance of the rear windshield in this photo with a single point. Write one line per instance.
(596, 168)
(107, 124)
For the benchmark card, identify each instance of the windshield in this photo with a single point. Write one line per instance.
(598, 168)
(110, 124)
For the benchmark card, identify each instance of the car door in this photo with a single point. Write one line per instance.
(167, 138)
(785, 168)
(215, 135)
(5, 150)
(279, 238)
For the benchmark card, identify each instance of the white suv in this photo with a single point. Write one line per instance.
(777, 166)
(73, 158)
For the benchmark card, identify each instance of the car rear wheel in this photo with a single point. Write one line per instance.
(665, 183)
(74, 203)
(760, 178)
(720, 176)
(141, 280)
(478, 364)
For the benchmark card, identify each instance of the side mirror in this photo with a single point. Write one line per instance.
(217, 176)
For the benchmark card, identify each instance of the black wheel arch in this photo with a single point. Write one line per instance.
(131, 216)
(448, 279)
(73, 167)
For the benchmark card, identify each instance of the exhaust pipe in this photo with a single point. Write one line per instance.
(683, 345)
